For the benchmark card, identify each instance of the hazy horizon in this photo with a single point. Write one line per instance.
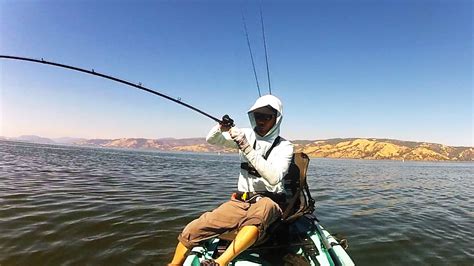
(201, 137)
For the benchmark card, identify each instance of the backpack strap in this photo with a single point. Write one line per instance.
(275, 142)
(251, 169)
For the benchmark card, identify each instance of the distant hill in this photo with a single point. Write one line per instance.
(165, 144)
(38, 139)
(34, 139)
(376, 149)
(349, 148)
(353, 148)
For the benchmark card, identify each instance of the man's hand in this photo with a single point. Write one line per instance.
(239, 137)
(226, 123)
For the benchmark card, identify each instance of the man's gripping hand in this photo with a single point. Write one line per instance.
(226, 123)
(239, 137)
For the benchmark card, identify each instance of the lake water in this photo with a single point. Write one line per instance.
(64, 205)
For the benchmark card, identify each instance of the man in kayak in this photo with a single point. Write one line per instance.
(265, 158)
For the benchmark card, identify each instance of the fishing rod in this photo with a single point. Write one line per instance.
(93, 72)
(250, 51)
(265, 46)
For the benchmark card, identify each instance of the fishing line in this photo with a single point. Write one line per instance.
(250, 51)
(265, 45)
(93, 72)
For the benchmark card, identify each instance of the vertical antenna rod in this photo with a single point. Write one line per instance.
(251, 55)
(265, 45)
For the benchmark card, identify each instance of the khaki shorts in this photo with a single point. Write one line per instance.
(231, 215)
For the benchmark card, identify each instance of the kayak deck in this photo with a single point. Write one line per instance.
(300, 243)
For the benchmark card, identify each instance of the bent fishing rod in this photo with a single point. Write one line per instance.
(93, 72)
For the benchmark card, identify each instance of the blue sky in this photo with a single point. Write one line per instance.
(383, 69)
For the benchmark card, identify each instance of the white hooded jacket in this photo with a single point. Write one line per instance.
(275, 167)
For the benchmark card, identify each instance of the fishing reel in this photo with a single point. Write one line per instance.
(227, 121)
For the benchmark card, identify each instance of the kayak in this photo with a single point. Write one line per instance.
(305, 242)
(296, 239)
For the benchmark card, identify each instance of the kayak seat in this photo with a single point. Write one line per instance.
(298, 199)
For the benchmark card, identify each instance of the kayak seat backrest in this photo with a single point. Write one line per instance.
(298, 198)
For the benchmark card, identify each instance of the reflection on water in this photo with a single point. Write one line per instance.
(72, 205)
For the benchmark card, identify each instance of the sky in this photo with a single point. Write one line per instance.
(395, 69)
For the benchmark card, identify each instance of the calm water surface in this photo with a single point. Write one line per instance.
(73, 206)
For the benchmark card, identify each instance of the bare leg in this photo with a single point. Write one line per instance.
(244, 239)
(179, 255)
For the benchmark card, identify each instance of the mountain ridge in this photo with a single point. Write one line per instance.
(347, 148)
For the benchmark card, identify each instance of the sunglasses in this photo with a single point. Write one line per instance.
(263, 117)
